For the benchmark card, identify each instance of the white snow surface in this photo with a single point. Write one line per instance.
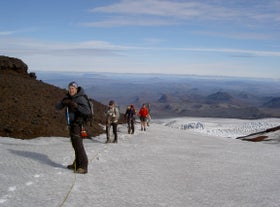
(163, 167)
(221, 127)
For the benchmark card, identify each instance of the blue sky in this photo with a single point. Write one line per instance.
(217, 37)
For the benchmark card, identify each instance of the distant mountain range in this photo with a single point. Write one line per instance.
(27, 99)
(180, 95)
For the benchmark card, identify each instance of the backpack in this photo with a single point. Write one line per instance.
(130, 113)
(89, 118)
(117, 112)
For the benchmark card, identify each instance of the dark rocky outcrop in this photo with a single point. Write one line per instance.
(13, 64)
(27, 105)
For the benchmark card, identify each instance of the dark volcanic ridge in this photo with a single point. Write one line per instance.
(27, 105)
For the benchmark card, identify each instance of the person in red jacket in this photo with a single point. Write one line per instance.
(143, 114)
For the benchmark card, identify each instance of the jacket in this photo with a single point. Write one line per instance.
(143, 112)
(129, 114)
(83, 109)
(112, 115)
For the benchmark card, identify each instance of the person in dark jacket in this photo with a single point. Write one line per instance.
(112, 116)
(77, 108)
(129, 115)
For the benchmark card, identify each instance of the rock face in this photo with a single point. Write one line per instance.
(14, 64)
(27, 105)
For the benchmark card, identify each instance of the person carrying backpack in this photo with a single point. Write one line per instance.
(129, 115)
(149, 118)
(77, 109)
(112, 116)
(143, 114)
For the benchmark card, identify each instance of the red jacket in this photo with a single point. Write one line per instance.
(143, 112)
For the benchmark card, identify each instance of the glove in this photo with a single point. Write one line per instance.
(73, 105)
(66, 101)
(69, 103)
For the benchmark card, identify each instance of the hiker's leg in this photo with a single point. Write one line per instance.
(115, 125)
(77, 143)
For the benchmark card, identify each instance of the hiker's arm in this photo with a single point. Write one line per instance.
(60, 105)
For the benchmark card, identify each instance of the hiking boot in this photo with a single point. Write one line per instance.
(72, 166)
(115, 141)
(81, 171)
(108, 141)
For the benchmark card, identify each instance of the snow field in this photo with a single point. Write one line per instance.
(160, 167)
(220, 127)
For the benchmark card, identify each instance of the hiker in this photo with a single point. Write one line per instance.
(143, 114)
(149, 118)
(77, 108)
(129, 115)
(112, 117)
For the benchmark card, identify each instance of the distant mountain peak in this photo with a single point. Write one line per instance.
(163, 98)
(273, 103)
(219, 96)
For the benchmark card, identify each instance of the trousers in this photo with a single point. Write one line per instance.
(108, 127)
(77, 143)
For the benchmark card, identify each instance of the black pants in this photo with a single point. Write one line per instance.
(130, 125)
(108, 127)
(77, 143)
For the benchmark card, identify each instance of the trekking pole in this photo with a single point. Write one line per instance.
(67, 116)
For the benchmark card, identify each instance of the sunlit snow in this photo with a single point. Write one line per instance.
(164, 166)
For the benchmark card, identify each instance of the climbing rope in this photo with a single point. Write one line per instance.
(70, 190)
(74, 182)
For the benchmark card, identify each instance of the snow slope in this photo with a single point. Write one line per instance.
(221, 127)
(160, 167)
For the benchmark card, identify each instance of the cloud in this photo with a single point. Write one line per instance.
(150, 7)
(6, 33)
(239, 52)
(146, 11)
(18, 31)
(131, 21)
(33, 47)
(106, 57)
(102, 48)
(239, 35)
(181, 10)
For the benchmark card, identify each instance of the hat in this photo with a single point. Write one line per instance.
(111, 102)
(73, 83)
